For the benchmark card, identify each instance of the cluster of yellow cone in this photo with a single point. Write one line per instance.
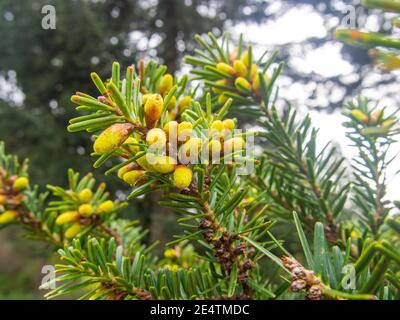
(244, 76)
(10, 197)
(84, 208)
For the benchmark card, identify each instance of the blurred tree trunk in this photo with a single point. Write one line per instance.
(169, 14)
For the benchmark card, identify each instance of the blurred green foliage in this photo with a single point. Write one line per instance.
(44, 67)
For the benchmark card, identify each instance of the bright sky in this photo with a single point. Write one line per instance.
(295, 26)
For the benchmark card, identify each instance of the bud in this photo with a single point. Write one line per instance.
(242, 85)
(153, 109)
(166, 84)
(172, 103)
(85, 195)
(171, 115)
(217, 125)
(184, 125)
(20, 184)
(125, 169)
(222, 99)
(185, 103)
(170, 253)
(233, 144)
(256, 82)
(131, 145)
(388, 123)
(229, 124)
(376, 116)
(112, 138)
(216, 129)
(253, 71)
(185, 129)
(240, 68)
(3, 199)
(72, 231)
(182, 177)
(172, 267)
(142, 162)
(132, 177)
(245, 58)
(145, 97)
(67, 217)
(164, 164)
(105, 207)
(8, 216)
(156, 138)
(226, 68)
(85, 210)
(359, 115)
(354, 234)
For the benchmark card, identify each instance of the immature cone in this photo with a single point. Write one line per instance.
(182, 177)
(216, 129)
(217, 125)
(85, 210)
(8, 216)
(130, 145)
(144, 163)
(256, 83)
(125, 169)
(20, 184)
(245, 58)
(226, 68)
(240, 68)
(3, 199)
(112, 138)
(222, 99)
(132, 177)
(145, 97)
(166, 83)
(253, 71)
(388, 123)
(171, 104)
(185, 103)
(229, 124)
(170, 253)
(153, 109)
(164, 164)
(85, 195)
(359, 115)
(72, 231)
(105, 207)
(67, 217)
(242, 85)
(376, 116)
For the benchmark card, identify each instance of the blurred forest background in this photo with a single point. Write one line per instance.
(40, 69)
